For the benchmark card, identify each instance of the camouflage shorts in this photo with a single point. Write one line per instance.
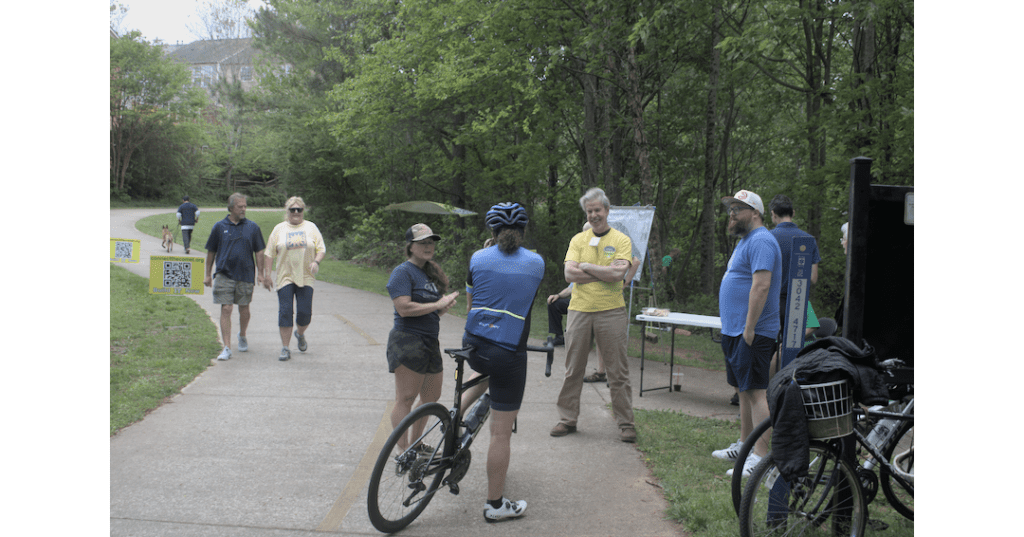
(421, 354)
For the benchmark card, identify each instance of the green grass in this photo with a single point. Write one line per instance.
(158, 344)
(677, 449)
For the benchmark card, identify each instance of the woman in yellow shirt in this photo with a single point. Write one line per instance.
(298, 247)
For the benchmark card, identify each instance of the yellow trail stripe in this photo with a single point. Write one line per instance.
(360, 477)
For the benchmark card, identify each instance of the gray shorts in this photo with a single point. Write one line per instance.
(228, 291)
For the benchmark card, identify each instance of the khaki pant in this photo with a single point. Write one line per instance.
(608, 329)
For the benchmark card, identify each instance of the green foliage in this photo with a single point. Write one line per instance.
(373, 241)
(154, 118)
(472, 103)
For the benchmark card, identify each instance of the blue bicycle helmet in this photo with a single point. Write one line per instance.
(508, 214)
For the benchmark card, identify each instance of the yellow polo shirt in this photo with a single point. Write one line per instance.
(598, 296)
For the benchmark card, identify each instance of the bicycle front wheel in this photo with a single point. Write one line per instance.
(404, 479)
(900, 454)
(741, 459)
(828, 501)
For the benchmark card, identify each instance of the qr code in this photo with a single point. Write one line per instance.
(177, 274)
(122, 250)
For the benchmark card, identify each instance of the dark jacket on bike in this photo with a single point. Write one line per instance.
(826, 360)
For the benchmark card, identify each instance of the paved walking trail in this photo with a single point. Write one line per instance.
(258, 447)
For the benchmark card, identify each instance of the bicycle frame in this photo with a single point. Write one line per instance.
(907, 414)
(404, 480)
(875, 449)
(452, 446)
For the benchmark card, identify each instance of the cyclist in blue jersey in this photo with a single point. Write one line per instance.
(501, 286)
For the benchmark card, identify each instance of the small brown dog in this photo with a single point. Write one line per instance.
(168, 239)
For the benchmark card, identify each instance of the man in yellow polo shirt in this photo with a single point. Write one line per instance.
(596, 261)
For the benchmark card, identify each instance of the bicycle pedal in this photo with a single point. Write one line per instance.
(454, 489)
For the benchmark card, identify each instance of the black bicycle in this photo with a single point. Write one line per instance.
(405, 478)
(832, 499)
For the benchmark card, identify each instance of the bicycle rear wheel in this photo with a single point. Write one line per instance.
(901, 455)
(404, 480)
(828, 501)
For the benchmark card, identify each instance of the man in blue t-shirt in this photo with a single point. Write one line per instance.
(233, 242)
(748, 303)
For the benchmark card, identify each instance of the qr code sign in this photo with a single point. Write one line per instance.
(122, 250)
(177, 274)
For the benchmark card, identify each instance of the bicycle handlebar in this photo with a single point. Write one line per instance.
(551, 356)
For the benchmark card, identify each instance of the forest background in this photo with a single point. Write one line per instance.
(673, 104)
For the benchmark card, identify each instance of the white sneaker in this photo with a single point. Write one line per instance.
(730, 453)
(748, 465)
(225, 354)
(508, 509)
(243, 345)
(285, 354)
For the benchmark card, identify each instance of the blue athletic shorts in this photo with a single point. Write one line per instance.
(746, 366)
(506, 368)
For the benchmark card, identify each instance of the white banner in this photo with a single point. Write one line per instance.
(635, 222)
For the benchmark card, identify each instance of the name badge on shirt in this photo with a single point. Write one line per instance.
(595, 241)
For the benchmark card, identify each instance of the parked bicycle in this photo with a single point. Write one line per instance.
(832, 499)
(405, 479)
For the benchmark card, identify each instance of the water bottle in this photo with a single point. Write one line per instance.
(478, 413)
(878, 437)
(880, 433)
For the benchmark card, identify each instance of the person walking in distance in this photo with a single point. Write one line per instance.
(749, 308)
(236, 245)
(188, 217)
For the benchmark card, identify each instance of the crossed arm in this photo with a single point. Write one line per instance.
(576, 272)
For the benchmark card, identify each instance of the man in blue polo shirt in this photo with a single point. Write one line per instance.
(232, 244)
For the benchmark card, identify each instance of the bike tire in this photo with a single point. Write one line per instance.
(810, 506)
(899, 496)
(741, 458)
(399, 487)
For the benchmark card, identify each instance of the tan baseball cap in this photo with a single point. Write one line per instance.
(419, 232)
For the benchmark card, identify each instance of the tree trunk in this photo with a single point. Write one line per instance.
(590, 104)
(707, 223)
